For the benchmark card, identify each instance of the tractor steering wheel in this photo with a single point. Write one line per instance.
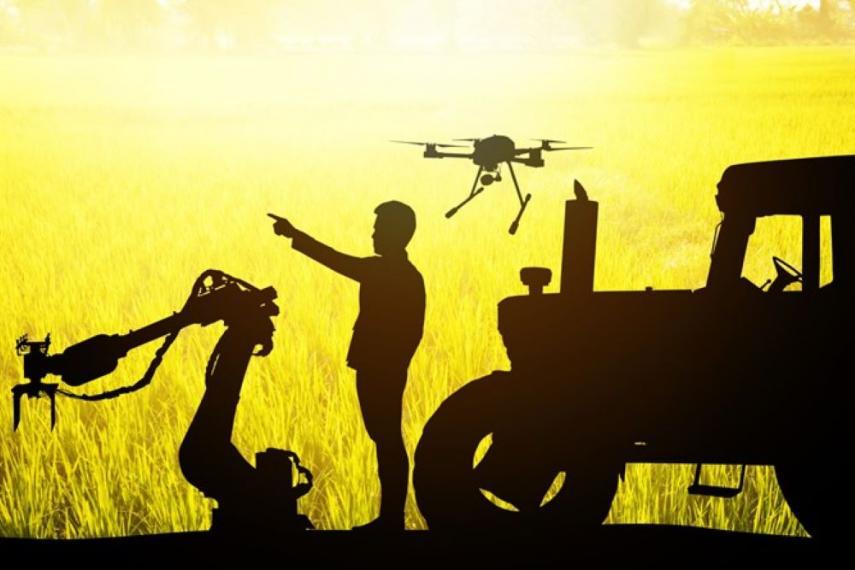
(786, 275)
(783, 266)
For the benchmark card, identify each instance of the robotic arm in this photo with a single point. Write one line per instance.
(252, 500)
(215, 296)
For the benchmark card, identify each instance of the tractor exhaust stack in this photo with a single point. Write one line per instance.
(580, 243)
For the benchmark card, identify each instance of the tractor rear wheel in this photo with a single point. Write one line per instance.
(449, 490)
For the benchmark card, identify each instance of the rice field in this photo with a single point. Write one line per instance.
(123, 178)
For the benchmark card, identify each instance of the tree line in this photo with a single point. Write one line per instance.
(277, 24)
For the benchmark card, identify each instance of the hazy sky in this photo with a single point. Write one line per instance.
(761, 3)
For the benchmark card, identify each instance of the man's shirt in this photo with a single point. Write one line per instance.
(391, 304)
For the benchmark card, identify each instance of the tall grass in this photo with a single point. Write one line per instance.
(123, 178)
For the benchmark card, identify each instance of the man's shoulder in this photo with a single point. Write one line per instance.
(394, 268)
(417, 282)
(418, 274)
(413, 271)
(392, 264)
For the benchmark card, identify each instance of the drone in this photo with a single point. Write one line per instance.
(489, 154)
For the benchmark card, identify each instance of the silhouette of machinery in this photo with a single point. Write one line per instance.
(252, 501)
(732, 373)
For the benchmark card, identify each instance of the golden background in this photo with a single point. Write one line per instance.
(124, 176)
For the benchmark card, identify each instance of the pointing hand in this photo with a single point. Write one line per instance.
(282, 227)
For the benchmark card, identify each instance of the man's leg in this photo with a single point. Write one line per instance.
(380, 398)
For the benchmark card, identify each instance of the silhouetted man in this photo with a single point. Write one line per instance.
(385, 336)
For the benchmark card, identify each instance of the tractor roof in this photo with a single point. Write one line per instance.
(803, 186)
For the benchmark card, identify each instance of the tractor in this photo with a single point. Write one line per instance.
(732, 373)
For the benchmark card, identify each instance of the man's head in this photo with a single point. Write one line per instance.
(395, 225)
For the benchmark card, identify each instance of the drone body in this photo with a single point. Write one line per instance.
(488, 154)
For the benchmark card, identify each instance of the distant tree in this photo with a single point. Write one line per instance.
(632, 19)
(617, 22)
(827, 11)
(250, 24)
(254, 23)
(745, 22)
(88, 23)
(9, 30)
(712, 21)
(836, 19)
(847, 17)
(50, 23)
(128, 24)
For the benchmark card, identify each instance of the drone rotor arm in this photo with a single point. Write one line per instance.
(433, 144)
(438, 154)
(520, 151)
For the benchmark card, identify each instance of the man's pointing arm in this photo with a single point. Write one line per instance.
(347, 265)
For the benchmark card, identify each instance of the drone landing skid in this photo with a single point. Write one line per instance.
(453, 211)
(476, 191)
(516, 223)
(523, 201)
(472, 193)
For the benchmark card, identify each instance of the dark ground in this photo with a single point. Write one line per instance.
(609, 546)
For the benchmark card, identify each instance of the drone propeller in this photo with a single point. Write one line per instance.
(546, 144)
(438, 145)
(568, 148)
(474, 140)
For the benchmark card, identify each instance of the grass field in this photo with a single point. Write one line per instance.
(123, 178)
